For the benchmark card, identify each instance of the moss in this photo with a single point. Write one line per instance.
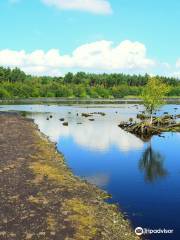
(82, 218)
(49, 171)
(38, 200)
(51, 223)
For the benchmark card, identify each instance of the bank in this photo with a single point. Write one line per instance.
(69, 101)
(40, 198)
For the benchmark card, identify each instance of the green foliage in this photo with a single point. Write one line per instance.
(4, 94)
(68, 78)
(14, 83)
(153, 94)
(174, 91)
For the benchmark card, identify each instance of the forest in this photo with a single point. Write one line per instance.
(15, 84)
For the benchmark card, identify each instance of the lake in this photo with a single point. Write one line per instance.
(142, 177)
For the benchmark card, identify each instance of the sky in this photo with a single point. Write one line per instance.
(53, 37)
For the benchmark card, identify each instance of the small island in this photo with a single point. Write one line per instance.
(148, 123)
(144, 130)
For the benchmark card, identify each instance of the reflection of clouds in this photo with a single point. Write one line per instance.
(98, 135)
(102, 135)
(100, 180)
(52, 128)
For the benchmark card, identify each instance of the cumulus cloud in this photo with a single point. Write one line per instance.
(38, 62)
(103, 55)
(95, 56)
(94, 6)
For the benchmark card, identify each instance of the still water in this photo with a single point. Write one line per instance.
(143, 177)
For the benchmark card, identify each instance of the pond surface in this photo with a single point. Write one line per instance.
(143, 177)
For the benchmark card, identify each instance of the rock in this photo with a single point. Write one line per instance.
(65, 124)
(177, 116)
(86, 115)
(124, 125)
(143, 112)
(100, 113)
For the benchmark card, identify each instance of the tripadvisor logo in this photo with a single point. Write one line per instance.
(140, 231)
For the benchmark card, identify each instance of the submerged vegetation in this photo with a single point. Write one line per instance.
(15, 84)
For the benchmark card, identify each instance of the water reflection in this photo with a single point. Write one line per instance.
(98, 135)
(100, 180)
(103, 136)
(152, 164)
(119, 162)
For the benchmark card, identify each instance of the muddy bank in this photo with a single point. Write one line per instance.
(40, 198)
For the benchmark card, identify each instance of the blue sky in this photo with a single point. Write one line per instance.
(96, 28)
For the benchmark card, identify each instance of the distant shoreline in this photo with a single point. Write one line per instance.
(80, 100)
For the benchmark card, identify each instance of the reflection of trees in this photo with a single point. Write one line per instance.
(152, 163)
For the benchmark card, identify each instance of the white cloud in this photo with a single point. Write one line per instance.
(166, 65)
(177, 70)
(37, 62)
(102, 55)
(96, 56)
(176, 75)
(94, 6)
(178, 63)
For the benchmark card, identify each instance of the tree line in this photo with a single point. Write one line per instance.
(14, 83)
